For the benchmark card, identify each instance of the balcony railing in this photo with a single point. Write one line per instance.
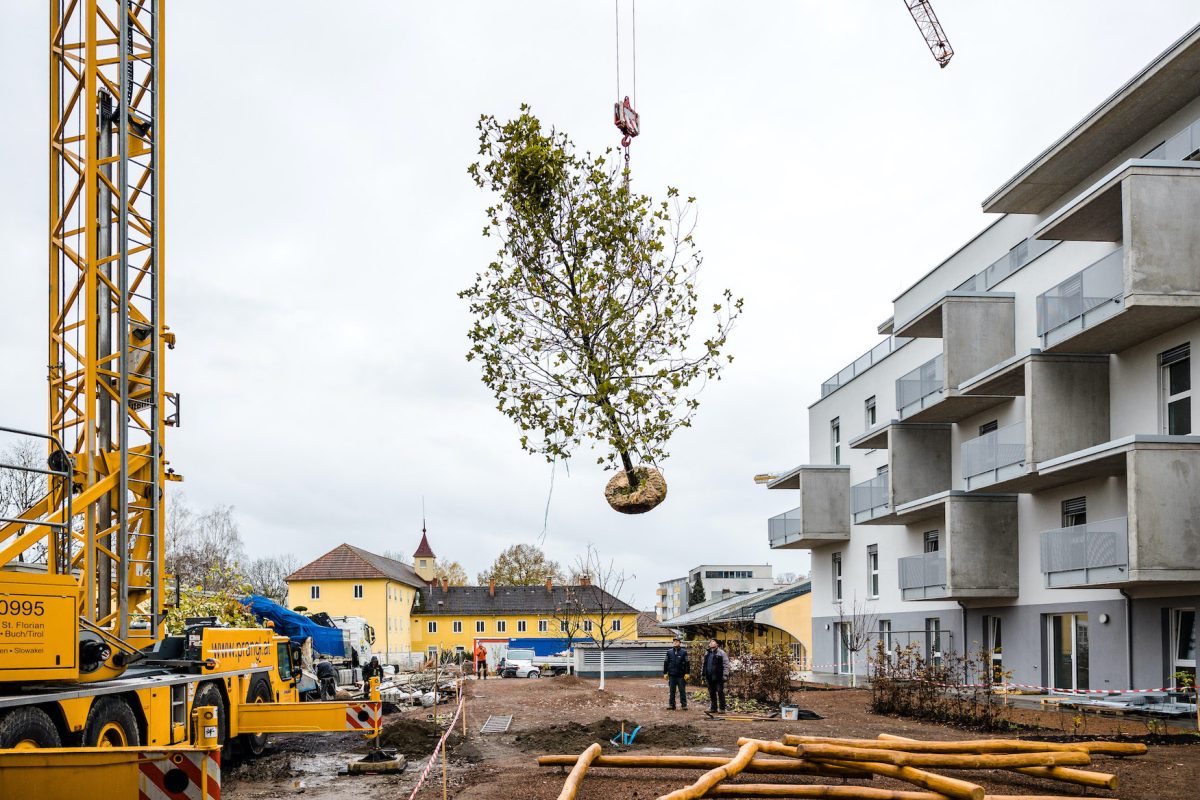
(1006, 265)
(782, 527)
(923, 576)
(869, 497)
(1082, 299)
(864, 362)
(1097, 552)
(984, 458)
(921, 384)
(1180, 147)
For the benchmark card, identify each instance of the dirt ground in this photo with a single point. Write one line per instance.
(565, 714)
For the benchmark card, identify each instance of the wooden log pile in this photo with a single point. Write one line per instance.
(907, 760)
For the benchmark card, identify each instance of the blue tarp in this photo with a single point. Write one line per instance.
(297, 627)
(540, 647)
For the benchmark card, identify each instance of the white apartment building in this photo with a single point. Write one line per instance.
(719, 581)
(1015, 466)
(672, 598)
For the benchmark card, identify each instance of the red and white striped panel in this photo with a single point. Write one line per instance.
(362, 716)
(178, 776)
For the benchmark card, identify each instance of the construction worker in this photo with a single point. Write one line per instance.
(675, 670)
(481, 661)
(326, 679)
(372, 670)
(716, 669)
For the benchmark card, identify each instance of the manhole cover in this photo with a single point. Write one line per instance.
(497, 723)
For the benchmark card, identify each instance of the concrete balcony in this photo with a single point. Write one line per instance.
(1146, 286)
(1066, 411)
(1112, 554)
(978, 555)
(919, 458)
(927, 394)
(869, 499)
(994, 457)
(823, 515)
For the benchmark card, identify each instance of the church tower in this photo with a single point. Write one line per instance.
(424, 561)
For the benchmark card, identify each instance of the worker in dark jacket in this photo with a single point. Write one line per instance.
(326, 679)
(716, 669)
(675, 670)
(372, 670)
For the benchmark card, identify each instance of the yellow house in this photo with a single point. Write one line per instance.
(777, 616)
(457, 618)
(349, 581)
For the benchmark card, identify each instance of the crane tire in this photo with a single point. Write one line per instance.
(207, 694)
(27, 728)
(251, 743)
(111, 723)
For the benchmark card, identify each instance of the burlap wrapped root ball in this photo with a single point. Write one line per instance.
(652, 490)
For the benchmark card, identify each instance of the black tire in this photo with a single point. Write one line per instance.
(207, 694)
(111, 723)
(533, 673)
(28, 727)
(253, 744)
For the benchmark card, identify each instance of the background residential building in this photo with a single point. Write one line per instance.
(349, 581)
(1014, 466)
(672, 598)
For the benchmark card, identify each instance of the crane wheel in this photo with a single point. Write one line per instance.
(28, 728)
(207, 694)
(111, 723)
(255, 743)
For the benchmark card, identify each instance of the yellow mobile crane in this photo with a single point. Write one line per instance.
(84, 655)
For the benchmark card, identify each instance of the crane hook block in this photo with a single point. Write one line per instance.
(627, 121)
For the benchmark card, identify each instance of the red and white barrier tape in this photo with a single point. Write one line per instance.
(441, 742)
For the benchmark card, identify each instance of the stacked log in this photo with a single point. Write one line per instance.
(907, 760)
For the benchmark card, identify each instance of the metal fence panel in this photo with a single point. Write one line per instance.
(1100, 283)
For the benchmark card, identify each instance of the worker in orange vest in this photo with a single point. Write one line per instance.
(480, 661)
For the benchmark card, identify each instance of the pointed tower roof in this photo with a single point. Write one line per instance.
(424, 550)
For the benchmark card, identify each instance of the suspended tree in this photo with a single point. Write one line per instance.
(584, 322)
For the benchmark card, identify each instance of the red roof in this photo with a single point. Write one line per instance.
(349, 562)
(423, 549)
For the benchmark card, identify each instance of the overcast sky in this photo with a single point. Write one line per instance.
(320, 222)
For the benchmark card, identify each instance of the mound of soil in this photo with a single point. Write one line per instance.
(416, 738)
(573, 737)
(567, 682)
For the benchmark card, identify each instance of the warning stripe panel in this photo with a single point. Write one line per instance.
(152, 776)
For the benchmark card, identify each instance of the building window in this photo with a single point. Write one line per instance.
(870, 411)
(885, 635)
(988, 427)
(422, 562)
(543, 626)
(728, 573)
(457, 626)
(933, 640)
(587, 626)
(432, 651)
(873, 570)
(520, 626)
(835, 439)
(1074, 512)
(616, 624)
(932, 541)
(501, 626)
(358, 591)
(837, 577)
(458, 648)
(1176, 377)
(479, 626)
(314, 592)
(431, 626)
(563, 627)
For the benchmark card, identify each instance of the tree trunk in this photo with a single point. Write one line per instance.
(602, 667)
(630, 474)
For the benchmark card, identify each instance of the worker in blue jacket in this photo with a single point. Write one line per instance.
(675, 670)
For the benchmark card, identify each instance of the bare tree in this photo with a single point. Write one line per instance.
(397, 556)
(267, 576)
(856, 628)
(201, 546)
(601, 585)
(20, 490)
(569, 615)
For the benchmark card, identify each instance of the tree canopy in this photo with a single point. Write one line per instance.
(584, 320)
(452, 572)
(521, 565)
